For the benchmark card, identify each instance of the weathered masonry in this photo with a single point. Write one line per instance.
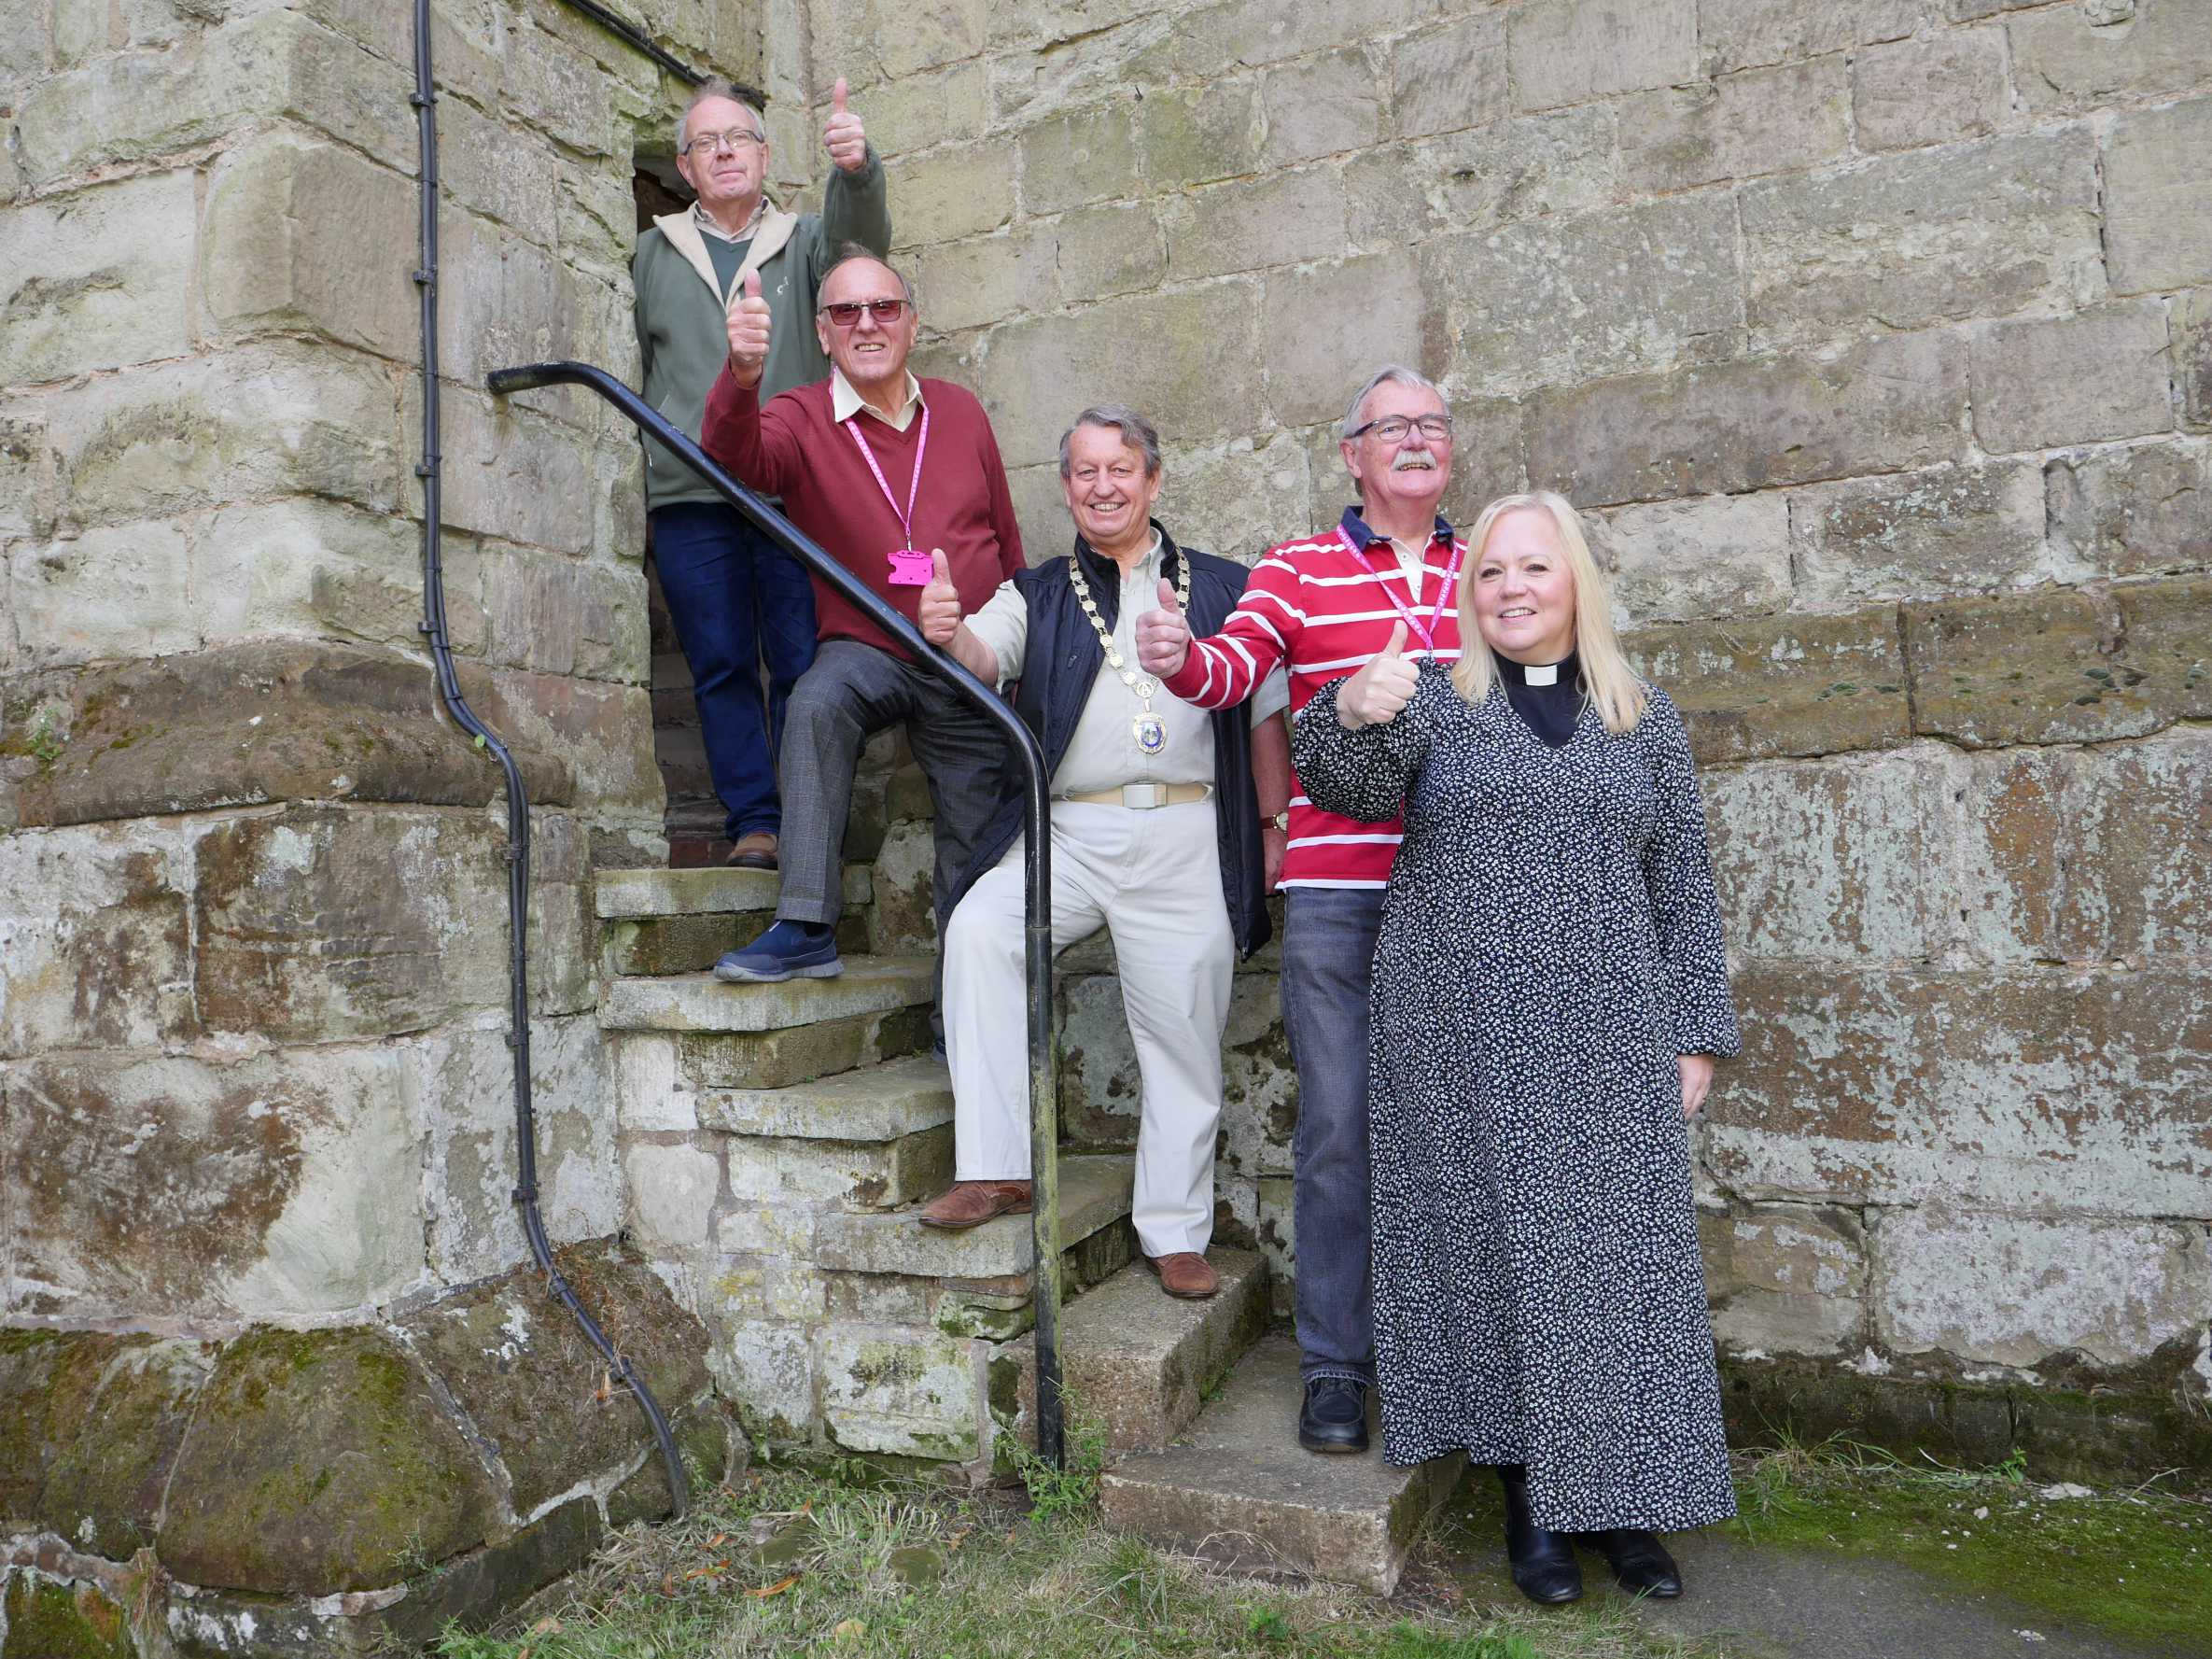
(1877, 339)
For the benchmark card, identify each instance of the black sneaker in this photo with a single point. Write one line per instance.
(1334, 1417)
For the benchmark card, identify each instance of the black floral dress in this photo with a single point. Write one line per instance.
(1550, 942)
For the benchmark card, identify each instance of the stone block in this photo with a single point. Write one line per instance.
(1323, 106)
(1087, 154)
(1732, 34)
(1211, 40)
(559, 616)
(746, 1288)
(1199, 378)
(603, 731)
(912, 112)
(513, 1359)
(460, 1085)
(2133, 512)
(1705, 558)
(325, 923)
(511, 473)
(503, 299)
(1249, 225)
(250, 725)
(97, 951)
(483, 168)
(986, 280)
(893, 40)
(41, 1616)
(1888, 403)
(1970, 230)
(280, 1187)
(1579, 50)
(1377, 310)
(77, 301)
(899, 1097)
(2054, 668)
(1936, 89)
(112, 591)
(175, 437)
(1870, 841)
(1450, 77)
(2089, 855)
(300, 569)
(670, 1193)
(774, 1229)
(281, 211)
(320, 1461)
(765, 1369)
(1103, 251)
(2047, 381)
(907, 1392)
(1974, 527)
(1762, 687)
(1785, 1278)
(1236, 499)
(1564, 162)
(800, 1053)
(1191, 136)
(1736, 126)
(2158, 198)
(2190, 318)
(1557, 301)
(859, 1175)
(904, 920)
(1094, 1199)
(27, 491)
(2114, 1291)
(2069, 56)
(959, 191)
(646, 893)
(868, 986)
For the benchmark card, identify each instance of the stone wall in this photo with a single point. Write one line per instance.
(1877, 340)
(253, 887)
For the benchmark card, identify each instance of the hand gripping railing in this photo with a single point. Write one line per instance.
(1037, 912)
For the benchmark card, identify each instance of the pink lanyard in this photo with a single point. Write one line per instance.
(920, 448)
(1426, 630)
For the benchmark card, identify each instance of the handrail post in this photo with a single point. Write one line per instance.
(1045, 1222)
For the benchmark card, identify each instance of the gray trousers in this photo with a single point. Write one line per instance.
(1328, 949)
(852, 692)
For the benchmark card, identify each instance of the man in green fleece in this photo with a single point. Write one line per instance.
(736, 599)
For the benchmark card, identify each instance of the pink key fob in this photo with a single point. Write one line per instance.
(910, 567)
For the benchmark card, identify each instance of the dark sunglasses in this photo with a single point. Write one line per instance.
(845, 312)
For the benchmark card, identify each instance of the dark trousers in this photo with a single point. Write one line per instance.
(852, 692)
(1328, 948)
(737, 601)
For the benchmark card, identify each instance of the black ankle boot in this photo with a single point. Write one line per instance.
(1544, 1566)
(1640, 1563)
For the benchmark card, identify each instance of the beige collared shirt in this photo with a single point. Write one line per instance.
(710, 226)
(844, 402)
(1103, 753)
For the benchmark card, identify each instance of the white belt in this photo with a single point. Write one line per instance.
(1143, 797)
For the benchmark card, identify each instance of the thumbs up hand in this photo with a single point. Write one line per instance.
(844, 138)
(1163, 635)
(1381, 688)
(938, 615)
(748, 333)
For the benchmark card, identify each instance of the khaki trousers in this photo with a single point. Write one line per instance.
(1154, 879)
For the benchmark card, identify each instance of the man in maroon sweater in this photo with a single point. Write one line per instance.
(885, 472)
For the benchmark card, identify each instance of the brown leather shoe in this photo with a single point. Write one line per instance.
(754, 851)
(1185, 1273)
(971, 1203)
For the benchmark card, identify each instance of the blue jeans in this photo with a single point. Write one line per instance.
(737, 601)
(1328, 946)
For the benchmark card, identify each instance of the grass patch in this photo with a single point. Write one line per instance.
(788, 1563)
(2135, 1564)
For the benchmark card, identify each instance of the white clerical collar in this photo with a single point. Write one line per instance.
(844, 402)
(1541, 673)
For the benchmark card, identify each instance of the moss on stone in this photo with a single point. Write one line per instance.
(53, 1620)
(319, 1461)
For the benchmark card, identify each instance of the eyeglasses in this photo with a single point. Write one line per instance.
(845, 312)
(737, 138)
(1436, 429)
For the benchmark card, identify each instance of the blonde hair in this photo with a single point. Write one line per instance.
(1614, 687)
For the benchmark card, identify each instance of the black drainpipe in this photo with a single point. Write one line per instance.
(518, 801)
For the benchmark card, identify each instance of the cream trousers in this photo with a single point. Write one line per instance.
(1154, 879)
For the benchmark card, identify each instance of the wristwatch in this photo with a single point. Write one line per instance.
(1282, 821)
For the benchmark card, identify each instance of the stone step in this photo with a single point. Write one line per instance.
(1094, 1197)
(691, 1003)
(640, 895)
(664, 945)
(878, 1103)
(1140, 1361)
(1241, 1490)
(771, 1060)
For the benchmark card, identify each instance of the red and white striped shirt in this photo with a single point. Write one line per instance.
(1321, 606)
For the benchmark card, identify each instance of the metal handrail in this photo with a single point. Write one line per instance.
(1037, 862)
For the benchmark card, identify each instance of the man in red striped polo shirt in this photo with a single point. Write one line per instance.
(1321, 606)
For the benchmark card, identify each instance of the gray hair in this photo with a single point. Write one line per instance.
(1388, 374)
(1136, 431)
(714, 86)
(847, 252)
